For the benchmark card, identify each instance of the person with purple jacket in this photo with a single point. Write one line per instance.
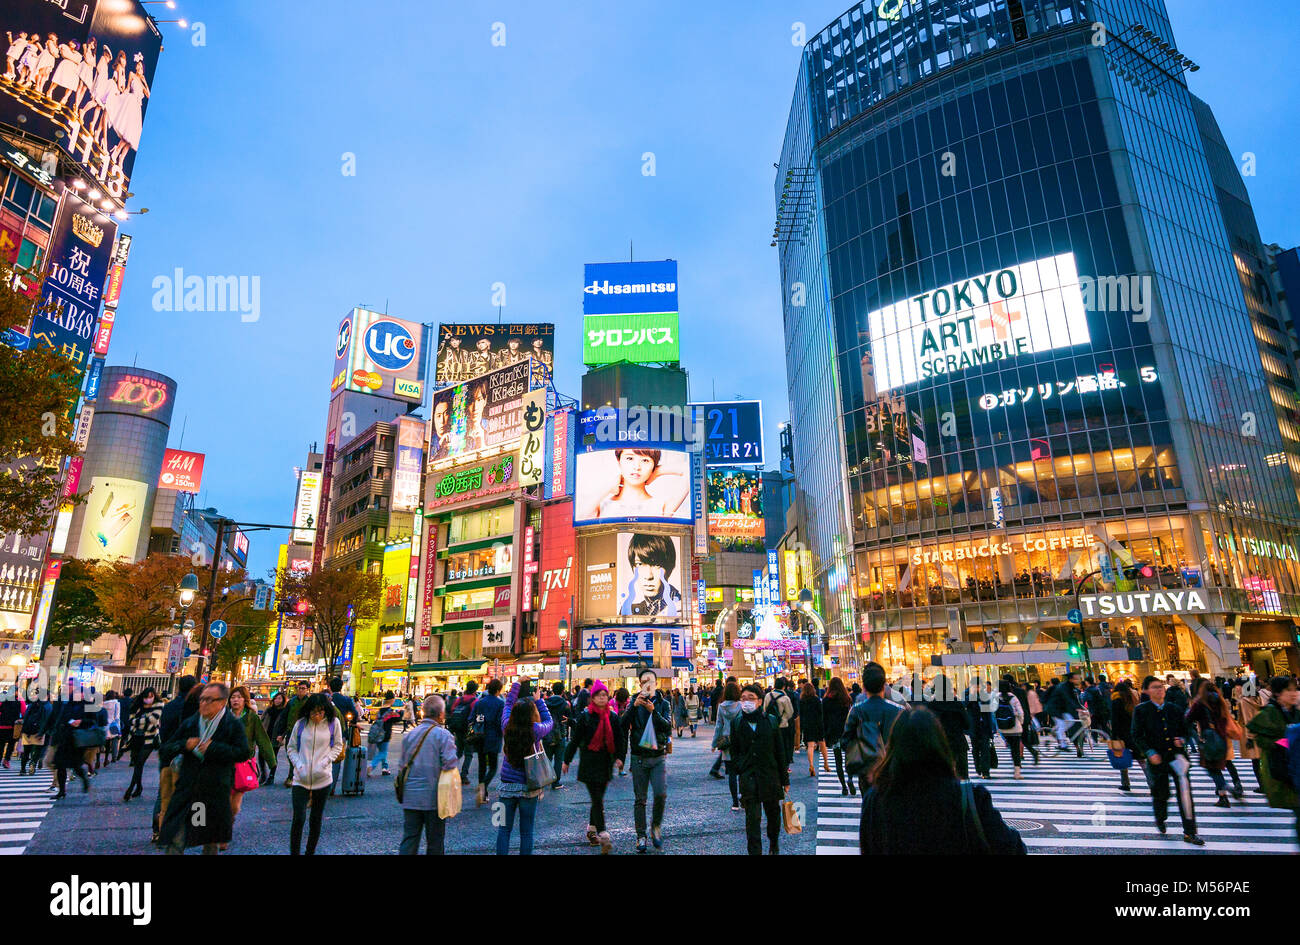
(525, 722)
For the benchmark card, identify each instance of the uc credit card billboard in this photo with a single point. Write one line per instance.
(380, 354)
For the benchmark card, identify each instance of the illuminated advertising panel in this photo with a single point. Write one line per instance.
(993, 317)
(641, 339)
(21, 558)
(396, 567)
(559, 472)
(124, 390)
(379, 354)
(736, 509)
(629, 643)
(633, 483)
(733, 432)
(181, 470)
(306, 508)
(79, 73)
(483, 414)
(81, 246)
(633, 577)
(409, 464)
(623, 288)
(471, 482)
(556, 575)
(114, 515)
(472, 350)
(532, 454)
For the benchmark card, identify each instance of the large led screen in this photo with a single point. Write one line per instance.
(633, 484)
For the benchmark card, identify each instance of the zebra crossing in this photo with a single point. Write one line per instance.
(24, 802)
(1067, 804)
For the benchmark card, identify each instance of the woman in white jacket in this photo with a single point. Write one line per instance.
(313, 745)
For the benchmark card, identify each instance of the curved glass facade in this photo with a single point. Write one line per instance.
(1018, 349)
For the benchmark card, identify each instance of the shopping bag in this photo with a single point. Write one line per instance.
(449, 794)
(246, 776)
(538, 772)
(790, 817)
(648, 739)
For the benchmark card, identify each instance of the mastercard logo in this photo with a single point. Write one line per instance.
(367, 379)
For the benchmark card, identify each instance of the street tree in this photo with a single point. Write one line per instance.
(329, 592)
(75, 615)
(38, 388)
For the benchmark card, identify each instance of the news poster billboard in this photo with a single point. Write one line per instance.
(408, 466)
(114, 515)
(633, 483)
(482, 414)
(634, 575)
(467, 351)
(79, 75)
(735, 503)
(181, 470)
(379, 354)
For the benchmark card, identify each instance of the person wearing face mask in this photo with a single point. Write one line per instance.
(758, 756)
(142, 733)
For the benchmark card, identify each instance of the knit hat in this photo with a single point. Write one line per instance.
(598, 687)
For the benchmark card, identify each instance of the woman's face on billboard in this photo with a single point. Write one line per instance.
(636, 468)
(478, 404)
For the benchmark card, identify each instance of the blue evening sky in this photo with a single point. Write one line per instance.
(478, 164)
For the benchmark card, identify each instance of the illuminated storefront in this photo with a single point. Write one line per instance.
(1000, 386)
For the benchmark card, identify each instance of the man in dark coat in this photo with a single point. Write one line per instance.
(758, 756)
(1160, 736)
(210, 744)
(485, 729)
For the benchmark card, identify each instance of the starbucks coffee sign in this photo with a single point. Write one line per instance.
(995, 316)
(1140, 603)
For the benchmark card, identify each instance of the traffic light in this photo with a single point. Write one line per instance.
(1073, 644)
(300, 607)
(602, 656)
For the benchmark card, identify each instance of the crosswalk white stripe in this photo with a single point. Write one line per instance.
(24, 802)
(1170, 844)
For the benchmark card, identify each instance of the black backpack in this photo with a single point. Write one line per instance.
(458, 722)
(559, 720)
(1005, 714)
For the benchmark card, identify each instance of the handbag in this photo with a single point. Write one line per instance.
(449, 798)
(247, 776)
(93, 737)
(1118, 755)
(790, 818)
(538, 772)
(1234, 730)
(399, 782)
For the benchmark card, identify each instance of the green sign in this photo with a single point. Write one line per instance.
(483, 480)
(607, 339)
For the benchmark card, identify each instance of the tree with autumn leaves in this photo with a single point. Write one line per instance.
(329, 593)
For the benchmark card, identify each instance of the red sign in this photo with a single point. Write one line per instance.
(502, 599)
(556, 579)
(104, 334)
(113, 288)
(530, 568)
(181, 470)
(73, 478)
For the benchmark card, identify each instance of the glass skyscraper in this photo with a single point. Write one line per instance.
(1020, 357)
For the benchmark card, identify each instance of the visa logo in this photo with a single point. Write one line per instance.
(405, 388)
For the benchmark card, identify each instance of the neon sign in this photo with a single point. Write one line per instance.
(140, 392)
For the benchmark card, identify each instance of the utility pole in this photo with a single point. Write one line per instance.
(212, 592)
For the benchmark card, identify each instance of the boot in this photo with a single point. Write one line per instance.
(606, 843)
(593, 835)
(1222, 801)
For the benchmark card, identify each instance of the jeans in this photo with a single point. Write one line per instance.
(754, 811)
(381, 756)
(1158, 777)
(487, 766)
(733, 782)
(434, 827)
(1220, 783)
(301, 797)
(1063, 722)
(649, 772)
(597, 793)
(527, 808)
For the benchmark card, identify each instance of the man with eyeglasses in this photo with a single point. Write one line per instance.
(209, 743)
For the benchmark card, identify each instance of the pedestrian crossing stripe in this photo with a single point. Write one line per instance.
(24, 802)
(1079, 802)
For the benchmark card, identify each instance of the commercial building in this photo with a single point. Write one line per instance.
(1002, 254)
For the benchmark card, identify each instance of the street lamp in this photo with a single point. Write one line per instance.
(564, 645)
(85, 651)
(189, 589)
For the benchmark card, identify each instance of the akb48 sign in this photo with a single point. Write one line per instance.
(996, 316)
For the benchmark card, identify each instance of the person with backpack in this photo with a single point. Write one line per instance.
(728, 713)
(1096, 698)
(649, 725)
(867, 727)
(460, 712)
(763, 774)
(780, 706)
(423, 765)
(556, 739)
(1009, 717)
(286, 719)
(1269, 727)
(485, 731)
(1063, 706)
(315, 741)
(347, 713)
(917, 804)
(380, 736)
(1160, 735)
(1208, 714)
(600, 741)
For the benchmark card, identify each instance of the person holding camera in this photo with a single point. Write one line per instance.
(649, 724)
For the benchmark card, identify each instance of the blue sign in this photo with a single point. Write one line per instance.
(1075, 616)
(630, 288)
(733, 432)
(758, 590)
(699, 595)
(346, 655)
(15, 339)
(344, 339)
(389, 345)
(81, 245)
(92, 379)
(773, 577)
(217, 629)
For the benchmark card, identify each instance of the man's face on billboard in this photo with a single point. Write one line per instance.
(441, 418)
(649, 579)
(484, 345)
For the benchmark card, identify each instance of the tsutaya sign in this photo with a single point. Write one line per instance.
(1192, 600)
(1014, 544)
(996, 316)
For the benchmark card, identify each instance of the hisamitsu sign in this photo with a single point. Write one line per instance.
(1139, 603)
